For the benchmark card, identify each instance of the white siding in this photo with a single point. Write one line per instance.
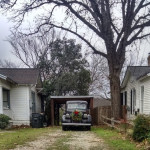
(19, 105)
(146, 84)
(137, 85)
(131, 84)
(20, 102)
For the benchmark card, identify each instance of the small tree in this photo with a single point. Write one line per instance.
(69, 74)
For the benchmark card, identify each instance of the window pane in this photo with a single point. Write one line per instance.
(5, 104)
(5, 97)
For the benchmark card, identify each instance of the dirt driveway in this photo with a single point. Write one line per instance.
(65, 140)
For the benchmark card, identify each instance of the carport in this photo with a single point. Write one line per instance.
(57, 100)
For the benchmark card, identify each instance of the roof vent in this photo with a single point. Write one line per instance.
(148, 59)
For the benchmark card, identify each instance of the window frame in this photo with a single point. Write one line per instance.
(8, 98)
(142, 98)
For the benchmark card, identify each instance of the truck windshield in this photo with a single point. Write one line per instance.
(80, 106)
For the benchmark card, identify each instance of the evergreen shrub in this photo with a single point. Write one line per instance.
(141, 129)
(4, 121)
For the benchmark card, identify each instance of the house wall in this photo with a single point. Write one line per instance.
(146, 83)
(19, 105)
(37, 100)
(132, 83)
(6, 85)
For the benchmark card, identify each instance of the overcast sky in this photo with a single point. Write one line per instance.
(5, 47)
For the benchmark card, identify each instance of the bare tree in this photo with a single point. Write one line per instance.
(29, 49)
(114, 23)
(99, 76)
(8, 64)
(33, 50)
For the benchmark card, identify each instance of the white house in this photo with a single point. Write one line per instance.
(20, 94)
(136, 89)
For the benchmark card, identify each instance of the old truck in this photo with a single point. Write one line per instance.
(76, 114)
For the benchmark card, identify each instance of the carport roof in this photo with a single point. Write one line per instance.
(71, 97)
(64, 99)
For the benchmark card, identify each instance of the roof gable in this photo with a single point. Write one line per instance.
(21, 75)
(136, 72)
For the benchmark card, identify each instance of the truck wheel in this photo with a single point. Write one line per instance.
(89, 128)
(64, 128)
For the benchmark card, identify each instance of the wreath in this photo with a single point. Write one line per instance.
(76, 115)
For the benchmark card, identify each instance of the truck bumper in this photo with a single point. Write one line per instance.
(76, 124)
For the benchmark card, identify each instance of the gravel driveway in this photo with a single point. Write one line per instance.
(66, 140)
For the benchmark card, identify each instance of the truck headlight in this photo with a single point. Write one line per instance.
(67, 116)
(85, 116)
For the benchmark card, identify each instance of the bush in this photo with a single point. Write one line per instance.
(141, 129)
(4, 121)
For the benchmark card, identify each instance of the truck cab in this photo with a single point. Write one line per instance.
(76, 114)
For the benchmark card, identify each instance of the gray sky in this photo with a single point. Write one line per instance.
(5, 47)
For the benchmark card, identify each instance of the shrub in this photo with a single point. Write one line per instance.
(4, 121)
(141, 129)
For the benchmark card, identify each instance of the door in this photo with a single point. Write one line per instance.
(33, 102)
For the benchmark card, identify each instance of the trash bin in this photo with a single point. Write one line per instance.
(37, 120)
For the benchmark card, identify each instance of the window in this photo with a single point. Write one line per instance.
(6, 98)
(124, 98)
(133, 100)
(142, 98)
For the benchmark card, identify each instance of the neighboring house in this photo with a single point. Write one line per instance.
(20, 94)
(97, 102)
(136, 90)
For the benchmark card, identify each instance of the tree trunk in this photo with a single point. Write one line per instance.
(115, 94)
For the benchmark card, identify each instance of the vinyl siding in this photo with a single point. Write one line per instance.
(146, 84)
(132, 83)
(19, 105)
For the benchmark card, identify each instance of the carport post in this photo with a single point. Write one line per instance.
(91, 103)
(52, 112)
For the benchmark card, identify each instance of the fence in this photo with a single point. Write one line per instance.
(102, 115)
(98, 112)
(122, 125)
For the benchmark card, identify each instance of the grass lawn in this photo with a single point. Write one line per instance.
(114, 140)
(11, 138)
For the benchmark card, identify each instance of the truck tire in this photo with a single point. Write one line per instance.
(64, 128)
(88, 128)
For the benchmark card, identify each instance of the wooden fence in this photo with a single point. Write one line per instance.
(122, 125)
(102, 115)
(98, 112)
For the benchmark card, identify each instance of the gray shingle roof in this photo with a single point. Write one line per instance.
(21, 75)
(138, 71)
